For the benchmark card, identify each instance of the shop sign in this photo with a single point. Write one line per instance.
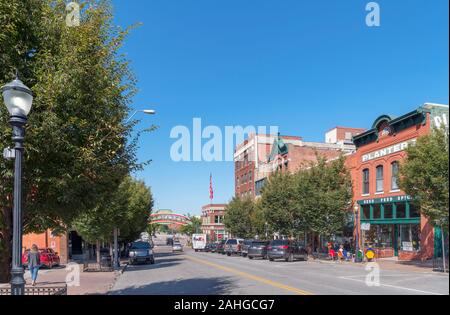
(365, 226)
(407, 246)
(389, 150)
(385, 200)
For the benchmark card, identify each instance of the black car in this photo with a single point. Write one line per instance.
(245, 246)
(207, 248)
(221, 247)
(213, 248)
(287, 250)
(258, 249)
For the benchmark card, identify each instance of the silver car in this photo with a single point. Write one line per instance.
(177, 247)
(141, 252)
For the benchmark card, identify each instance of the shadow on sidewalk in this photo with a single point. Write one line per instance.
(194, 286)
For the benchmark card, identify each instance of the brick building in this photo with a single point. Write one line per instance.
(261, 155)
(59, 243)
(212, 222)
(397, 227)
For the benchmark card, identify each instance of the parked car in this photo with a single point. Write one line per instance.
(213, 247)
(177, 247)
(141, 252)
(221, 247)
(287, 250)
(49, 258)
(233, 246)
(258, 249)
(245, 246)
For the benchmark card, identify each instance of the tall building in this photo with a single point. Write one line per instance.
(393, 223)
(261, 155)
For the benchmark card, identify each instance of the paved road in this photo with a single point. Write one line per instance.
(192, 273)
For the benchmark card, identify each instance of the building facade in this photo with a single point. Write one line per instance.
(261, 155)
(389, 221)
(212, 222)
(58, 243)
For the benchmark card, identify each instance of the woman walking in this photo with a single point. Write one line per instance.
(34, 262)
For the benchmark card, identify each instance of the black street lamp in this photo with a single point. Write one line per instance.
(356, 212)
(18, 99)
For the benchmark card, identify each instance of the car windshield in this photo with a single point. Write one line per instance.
(141, 245)
(176, 244)
(232, 242)
(279, 242)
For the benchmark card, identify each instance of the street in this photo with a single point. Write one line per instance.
(191, 273)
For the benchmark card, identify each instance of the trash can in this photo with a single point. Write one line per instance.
(105, 261)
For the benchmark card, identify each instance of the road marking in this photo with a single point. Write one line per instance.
(394, 286)
(252, 277)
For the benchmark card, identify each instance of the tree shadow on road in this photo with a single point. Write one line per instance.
(193, 286)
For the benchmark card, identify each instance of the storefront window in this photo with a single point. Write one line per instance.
(409, 237)
(380, 179)
(394, 179)
(366, 182)
(414, 211)
(401, 210)
(385, 233)
(377, 211)
(388, 211)
(366, 212)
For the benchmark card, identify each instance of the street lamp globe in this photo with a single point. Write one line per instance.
(18, 98)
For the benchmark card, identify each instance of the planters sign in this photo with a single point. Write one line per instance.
(389, 150)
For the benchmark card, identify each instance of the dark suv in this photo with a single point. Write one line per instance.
(258, 249)
(287, 250)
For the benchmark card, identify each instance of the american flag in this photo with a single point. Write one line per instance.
(211, 190)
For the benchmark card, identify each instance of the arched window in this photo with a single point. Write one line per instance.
(366, 181)
(394, 179)
(380, 178)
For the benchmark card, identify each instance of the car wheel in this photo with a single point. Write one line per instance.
(250, 257)
(228, 254)
(271, 259)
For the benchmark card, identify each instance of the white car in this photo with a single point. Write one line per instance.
(177, 247)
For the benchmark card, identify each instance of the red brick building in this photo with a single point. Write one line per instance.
(212, 222)
(261, 155)
(59, 243)
(395, 224)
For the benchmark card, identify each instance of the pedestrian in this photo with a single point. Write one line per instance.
(34, 262)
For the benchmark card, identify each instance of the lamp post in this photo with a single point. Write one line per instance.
(356, 212)
(116, 259)
(18, 99)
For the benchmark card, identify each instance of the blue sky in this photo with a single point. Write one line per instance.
(306, 66)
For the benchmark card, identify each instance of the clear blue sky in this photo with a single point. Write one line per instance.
(305, 66)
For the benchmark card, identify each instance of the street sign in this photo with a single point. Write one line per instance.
(365, 226)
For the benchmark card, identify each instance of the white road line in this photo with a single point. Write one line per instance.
(395, 287)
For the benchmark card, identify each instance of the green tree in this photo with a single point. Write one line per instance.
(193, 227)
(238, 217)
(77, 149)
(424, 175)
(278, 202)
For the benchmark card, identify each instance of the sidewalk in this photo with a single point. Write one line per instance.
(389, 264)
(90, 283)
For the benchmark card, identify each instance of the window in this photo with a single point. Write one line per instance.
(377, 211)
(366, 183)
(380, 178)
(414, 211)
(366, 212)
(218, 219)
(401, 210)
(388, 211)
(394, 179)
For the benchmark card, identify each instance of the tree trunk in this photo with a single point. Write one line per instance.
(97, 250)
(5, 244)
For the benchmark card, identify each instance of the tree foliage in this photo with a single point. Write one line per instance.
(77, 148)
(242, 218)
(193, 227)
(424, 175)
